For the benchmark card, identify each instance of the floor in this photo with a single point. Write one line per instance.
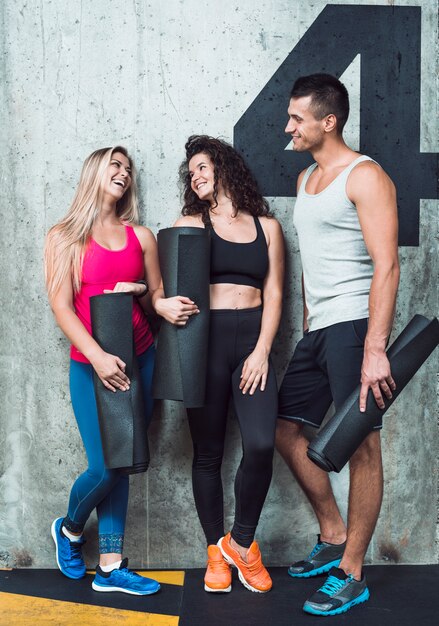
(400, 595)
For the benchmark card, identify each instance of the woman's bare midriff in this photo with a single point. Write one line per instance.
(228, 296)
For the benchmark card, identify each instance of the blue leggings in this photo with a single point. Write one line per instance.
(99, 487)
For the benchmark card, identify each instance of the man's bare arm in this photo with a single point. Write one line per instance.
(373, 193)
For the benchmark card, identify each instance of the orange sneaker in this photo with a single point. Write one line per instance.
(252, 573)
(218, 578)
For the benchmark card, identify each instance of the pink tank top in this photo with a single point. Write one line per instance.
(102, 269)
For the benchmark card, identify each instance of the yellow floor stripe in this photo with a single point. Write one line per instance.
(166, 577)
(170, 578)
(18, 610)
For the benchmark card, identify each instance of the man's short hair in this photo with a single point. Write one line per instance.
(328, 95)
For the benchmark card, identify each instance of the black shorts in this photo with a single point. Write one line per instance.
(325, 368)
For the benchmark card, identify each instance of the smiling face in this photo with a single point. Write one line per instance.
(307, 132)
(117, 178)
(202, 174)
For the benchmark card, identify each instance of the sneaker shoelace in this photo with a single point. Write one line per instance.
(334, 584)
(75, 550)
(315, 550)
(127, 573)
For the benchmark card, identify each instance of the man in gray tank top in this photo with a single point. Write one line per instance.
(346, 219)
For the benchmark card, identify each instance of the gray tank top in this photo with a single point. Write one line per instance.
(337, 268)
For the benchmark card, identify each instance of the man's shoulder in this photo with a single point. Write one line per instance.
(367, 179)
(365, 165)
(367, 172)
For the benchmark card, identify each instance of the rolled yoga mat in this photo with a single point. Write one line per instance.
(181, 358)
(122, 420)
(336, 442)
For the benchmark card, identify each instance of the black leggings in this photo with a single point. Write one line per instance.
(233, 336)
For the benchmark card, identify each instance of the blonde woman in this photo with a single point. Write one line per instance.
(99, 247)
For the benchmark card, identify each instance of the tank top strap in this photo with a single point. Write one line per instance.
(345, 173)
(259, 229)
(130, 233)
(309, 171)
(209, 226)
(132, 239)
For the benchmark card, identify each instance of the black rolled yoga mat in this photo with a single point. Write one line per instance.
(122, 420)
(334, 445)
(181, 358)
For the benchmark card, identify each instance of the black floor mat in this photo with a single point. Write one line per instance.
(400, 596)
(50, 583)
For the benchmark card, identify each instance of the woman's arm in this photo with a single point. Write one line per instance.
(109, 368)
(255, 369)
(152, 269)
(175, 310)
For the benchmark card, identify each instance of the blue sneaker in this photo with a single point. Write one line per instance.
(68, 553)
(124, 580)
(339, 593)
(322, 558)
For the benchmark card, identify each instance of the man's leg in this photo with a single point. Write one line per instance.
(365, 496)
(292, 445)
(345, 586)
(344, 354)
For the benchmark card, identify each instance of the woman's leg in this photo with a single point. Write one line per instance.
(257, 415)
(146, 367)
(97, 484)
(112, 509)
(93, 485)
(112, 574)
(208, 427)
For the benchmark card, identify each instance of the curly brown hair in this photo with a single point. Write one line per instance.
(230, 170)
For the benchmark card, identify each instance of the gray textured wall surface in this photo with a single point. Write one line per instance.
(81, 75)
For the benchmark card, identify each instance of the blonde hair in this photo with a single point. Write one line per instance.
(67, 240)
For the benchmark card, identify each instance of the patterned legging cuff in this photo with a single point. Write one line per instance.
(110, 543)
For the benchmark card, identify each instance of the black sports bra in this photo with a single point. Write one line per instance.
(238, 263)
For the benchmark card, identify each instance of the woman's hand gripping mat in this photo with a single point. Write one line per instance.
(122, 420)
(181, 359)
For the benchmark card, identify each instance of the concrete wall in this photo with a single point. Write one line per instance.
(82, 75)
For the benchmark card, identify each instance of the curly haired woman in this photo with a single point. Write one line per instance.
(247, 264)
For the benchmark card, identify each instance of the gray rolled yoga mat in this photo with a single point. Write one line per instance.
(122, 420)
(181, 358)
(336, 442)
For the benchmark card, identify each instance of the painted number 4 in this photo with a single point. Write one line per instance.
(388, 40)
